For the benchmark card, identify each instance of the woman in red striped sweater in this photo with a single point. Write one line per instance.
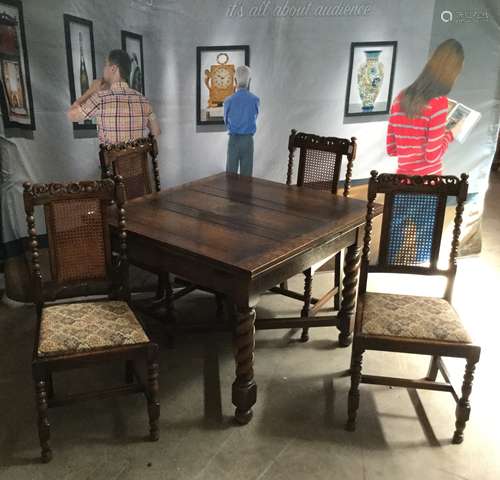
(418, 136)
(417, 132)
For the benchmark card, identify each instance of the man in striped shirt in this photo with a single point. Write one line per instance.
(122, 114)
(420, 142)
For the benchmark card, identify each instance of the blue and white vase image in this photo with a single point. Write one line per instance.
(370, 77)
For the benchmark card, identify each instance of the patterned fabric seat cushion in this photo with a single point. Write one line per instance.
(412, 317)
(84, 327)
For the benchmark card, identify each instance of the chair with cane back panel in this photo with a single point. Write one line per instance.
(410, 241)
(130, 161)
(74, 334)
(320, 162)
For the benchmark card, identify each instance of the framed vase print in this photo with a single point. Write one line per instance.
(132, 44)
(15, 85)
(80, 56)
(370, 78)
(216, 80)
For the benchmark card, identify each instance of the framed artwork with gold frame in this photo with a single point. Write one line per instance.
(15, 84)
(215, 79)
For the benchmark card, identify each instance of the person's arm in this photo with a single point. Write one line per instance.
(154, 125)
(438, 137)
(226, 111)
(76, 113)
(391, 141)
(152, 122)
(390, 138)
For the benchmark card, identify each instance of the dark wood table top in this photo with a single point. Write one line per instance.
(242, 223)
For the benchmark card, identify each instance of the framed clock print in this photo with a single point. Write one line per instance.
(132, 44)
(370, 78)
(81, 60)
(15, 86)
(215, 80)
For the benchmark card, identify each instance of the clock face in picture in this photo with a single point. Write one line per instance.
(222, 78)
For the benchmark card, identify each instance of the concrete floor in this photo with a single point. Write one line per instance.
(297, 430)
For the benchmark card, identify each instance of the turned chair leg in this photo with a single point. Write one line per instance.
(307, 303)
(160, 289)
(433, 369)
(219, 300)
(129, 371)
(43, 420)
(353, 400)
(170, 320)
(463, 405)
(49, 384)
(337, 281)
(152, 394)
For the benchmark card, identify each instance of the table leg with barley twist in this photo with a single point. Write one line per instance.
(244, 387)
(349, 292)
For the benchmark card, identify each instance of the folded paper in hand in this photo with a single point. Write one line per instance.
(459, 112)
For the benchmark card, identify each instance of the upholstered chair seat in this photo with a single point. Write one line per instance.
(84, 327)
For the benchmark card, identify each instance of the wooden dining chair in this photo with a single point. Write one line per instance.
(320, 162)
(76, 334)
(131, 160)
(410, 241)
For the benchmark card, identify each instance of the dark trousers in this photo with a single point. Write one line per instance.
(240, 154)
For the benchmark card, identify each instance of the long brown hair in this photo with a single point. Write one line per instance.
(437, 77)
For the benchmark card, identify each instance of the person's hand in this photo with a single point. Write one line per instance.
(97, 85)
(455, 130)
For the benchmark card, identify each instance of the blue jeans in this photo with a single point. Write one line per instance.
(412, 223)
(240, 154)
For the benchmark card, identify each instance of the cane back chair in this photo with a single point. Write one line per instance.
(320, 161)
(410, 241)
(130, 161)
(78, 334)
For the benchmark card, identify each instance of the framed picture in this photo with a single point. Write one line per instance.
(80, 56)
(216, 80)
(370, 79)
(15, 92)
(132, 44)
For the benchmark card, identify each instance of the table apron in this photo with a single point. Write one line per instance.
(157, 258)
(240, 287)
(301, 262)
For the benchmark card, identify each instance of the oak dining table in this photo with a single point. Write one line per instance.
(240, 236)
